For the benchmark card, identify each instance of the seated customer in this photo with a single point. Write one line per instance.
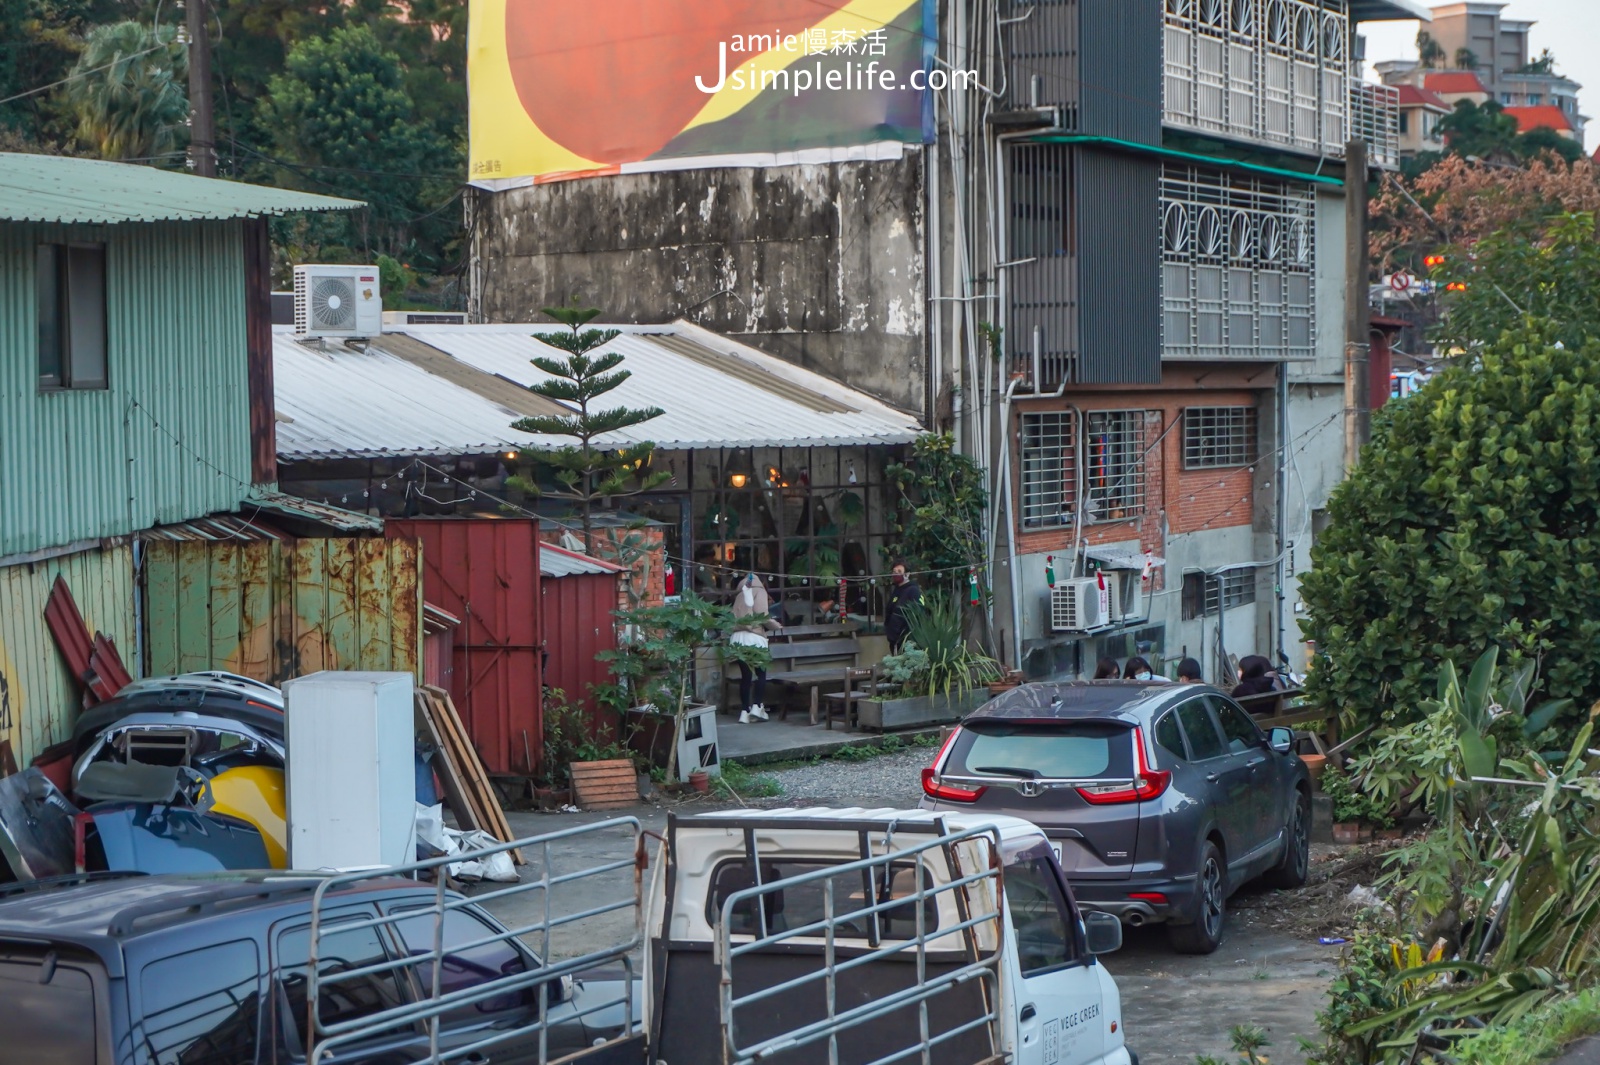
(1255, 677)
(1138, 669)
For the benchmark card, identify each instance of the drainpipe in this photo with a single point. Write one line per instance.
(1285, 550)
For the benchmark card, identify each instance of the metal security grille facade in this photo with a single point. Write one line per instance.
(1041, 39)
(1114, 457)
(1042, 290)
(1215, 437)
(1048, 468)
(1226, 590)
(1275, 71)
(1238, 266)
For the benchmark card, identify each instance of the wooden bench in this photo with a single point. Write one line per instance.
(805, 662)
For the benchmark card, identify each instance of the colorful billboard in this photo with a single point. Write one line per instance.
(575, 88)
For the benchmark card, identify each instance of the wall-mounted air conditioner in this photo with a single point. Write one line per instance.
(337, 301)
(1081, 605)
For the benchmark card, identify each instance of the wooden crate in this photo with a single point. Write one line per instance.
(608, 785)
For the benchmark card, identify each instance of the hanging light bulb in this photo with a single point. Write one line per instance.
(852, 473)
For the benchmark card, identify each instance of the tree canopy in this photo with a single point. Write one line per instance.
(128, 99)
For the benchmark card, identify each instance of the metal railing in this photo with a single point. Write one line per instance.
(325, 1040)
(1375, 118)
(874, 873)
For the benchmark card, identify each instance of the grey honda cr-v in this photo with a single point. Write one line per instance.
(1160, 800)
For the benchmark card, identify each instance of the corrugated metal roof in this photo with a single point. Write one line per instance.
(221, 527)
(715, 393)
(298, 509)
(559, 562)
(54, 188)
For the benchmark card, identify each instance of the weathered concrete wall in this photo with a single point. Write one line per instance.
(821, 264)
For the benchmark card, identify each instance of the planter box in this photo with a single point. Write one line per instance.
(882, 715)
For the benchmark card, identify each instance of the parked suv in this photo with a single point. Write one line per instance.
(124, 969)
(1159, 800)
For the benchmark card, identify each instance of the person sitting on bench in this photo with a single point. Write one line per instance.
(752, 619)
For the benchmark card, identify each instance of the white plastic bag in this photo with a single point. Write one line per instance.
(497, 867)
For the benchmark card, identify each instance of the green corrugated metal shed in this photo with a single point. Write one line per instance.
(169, 438)
(50, 188)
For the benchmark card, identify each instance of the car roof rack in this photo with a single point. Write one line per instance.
(22, 887)
(211, 896)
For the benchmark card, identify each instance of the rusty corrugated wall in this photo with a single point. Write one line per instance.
(485, 571)
(277, 609)
(39, 699)
(578, 624)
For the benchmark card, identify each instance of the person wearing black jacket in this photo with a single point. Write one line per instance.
(904, 593)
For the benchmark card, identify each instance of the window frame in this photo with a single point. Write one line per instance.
(1038, 491)
(413, 978)
(1221, 706)
(1221, 437)
(1066, 905)
(66, 374)
(145, 1044)
(286, 1023)
(1130, 435)
(1203, 704)
(1170, 714)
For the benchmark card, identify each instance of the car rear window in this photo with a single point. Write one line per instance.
(52, 1021)
(803, 904)
(1078, 750)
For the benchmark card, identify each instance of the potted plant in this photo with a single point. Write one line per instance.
(1349, 806)
(571, 738)
(653, 669)
(936, 678)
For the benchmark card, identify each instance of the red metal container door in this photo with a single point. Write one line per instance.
(579, 623)
(485, 571)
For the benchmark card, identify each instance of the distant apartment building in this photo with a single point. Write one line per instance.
(1500, 59)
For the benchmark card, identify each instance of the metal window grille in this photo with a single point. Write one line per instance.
(1231, 588)
(1041, 224)
(1273, 71)
(1114, 471)
(1218, 436)
(1205, 594)
(1048, 441)
(1239, 254)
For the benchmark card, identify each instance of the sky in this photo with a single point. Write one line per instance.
(1569, 28)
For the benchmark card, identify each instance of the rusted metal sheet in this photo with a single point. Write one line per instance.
(39, 696)
(485, 571)
(278, 609)
(578, 625)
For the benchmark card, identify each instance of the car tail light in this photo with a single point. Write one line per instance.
(948, 792)
(80, 833)
(1153, 897)
(931, 785)
(1147, 783)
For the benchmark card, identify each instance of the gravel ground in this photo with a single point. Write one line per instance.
(885, 780)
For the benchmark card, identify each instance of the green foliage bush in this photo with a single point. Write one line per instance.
(1473, 520)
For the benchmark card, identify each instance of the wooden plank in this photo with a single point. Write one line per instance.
(494, 814)
(606, 785)
(455, 790)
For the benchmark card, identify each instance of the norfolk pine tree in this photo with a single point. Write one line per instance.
(584, 471)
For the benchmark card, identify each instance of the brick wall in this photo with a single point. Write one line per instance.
(1176, 500)
(647, 581)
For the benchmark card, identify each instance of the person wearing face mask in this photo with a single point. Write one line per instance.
(905, 593)
(1138, 669)
(752, 615)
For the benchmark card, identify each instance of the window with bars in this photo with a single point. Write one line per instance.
(1216, 437)
(1047, 468)
(1041, 219)
(1205, 595)
(1114, 458)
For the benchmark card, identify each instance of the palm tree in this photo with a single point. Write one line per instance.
(127, 92)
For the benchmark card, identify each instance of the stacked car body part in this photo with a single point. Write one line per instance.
(180, 774)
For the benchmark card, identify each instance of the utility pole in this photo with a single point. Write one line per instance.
(202, 127)
(1358, 315)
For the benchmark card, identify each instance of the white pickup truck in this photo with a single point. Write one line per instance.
(789, 937)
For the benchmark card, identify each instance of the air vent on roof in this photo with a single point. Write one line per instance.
(399, 318)
(337, 301)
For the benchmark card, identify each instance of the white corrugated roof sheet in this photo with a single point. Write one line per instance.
(559, 562)
(715, 393)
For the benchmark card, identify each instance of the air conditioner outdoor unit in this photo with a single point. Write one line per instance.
(1082, 606)
(337, 301)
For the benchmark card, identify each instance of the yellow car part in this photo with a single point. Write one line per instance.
(254, 793)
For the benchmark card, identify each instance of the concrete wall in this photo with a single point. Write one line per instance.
(819, 264)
